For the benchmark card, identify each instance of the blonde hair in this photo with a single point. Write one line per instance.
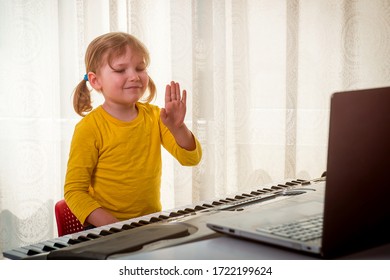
(104, 49)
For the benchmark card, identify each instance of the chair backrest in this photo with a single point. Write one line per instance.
(66, 222)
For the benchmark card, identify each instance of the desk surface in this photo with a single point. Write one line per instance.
(229, 248)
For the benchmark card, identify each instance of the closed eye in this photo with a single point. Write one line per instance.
(119, 70)
(141, 67)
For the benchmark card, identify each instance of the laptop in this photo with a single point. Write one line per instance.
(349, 209)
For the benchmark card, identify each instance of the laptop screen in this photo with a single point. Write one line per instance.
(357, 208)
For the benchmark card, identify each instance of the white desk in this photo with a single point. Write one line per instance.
(228, 248)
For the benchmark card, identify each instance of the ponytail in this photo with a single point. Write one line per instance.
(82, 99)
(152, 91)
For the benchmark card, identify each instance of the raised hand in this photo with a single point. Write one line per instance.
(173, 116)
(175, 107)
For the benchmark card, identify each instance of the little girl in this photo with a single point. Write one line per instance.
(114, 167)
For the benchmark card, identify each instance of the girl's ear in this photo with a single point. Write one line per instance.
(94, 81)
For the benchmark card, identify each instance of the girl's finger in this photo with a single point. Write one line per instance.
(184, 97)
(177, 91)
(168, 94)
(173, 91)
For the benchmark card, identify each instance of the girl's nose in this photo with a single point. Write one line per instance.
(133, 76)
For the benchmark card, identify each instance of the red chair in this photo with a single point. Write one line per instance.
(66, 222)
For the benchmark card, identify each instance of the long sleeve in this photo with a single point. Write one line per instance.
(117, 165)
(83, 158)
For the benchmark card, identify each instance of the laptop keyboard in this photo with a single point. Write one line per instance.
(302, 230)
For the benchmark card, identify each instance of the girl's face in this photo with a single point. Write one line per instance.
(125, 81)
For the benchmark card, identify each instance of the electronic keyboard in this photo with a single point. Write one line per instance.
(154, 231)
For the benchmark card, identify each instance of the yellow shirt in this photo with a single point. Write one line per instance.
(117, 165)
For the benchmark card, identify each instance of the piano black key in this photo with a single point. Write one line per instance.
(217, 203)
(261, 191)
(60, 245)
(155, 220)
(31, 251)
(207, 205)
(291, 184)
(199, 207)
(267, 189)
(47, 247)
(230, 199)
(73, 241)
(163, 217)
(256, 192)
(189, 210)
(105, 232)
(247, 195)
(283, 186)
(135, 224)
(60, 242)
(41, 248)
(115, 230)
(83, 238)
(304, 183)
(239, 197)
(174, 214)
(51, 245)
(277, 187)
(93, 235)
(298, 181)
(127, 226)
(143, 222)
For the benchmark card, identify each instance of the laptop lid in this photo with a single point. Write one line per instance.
(356, 215)
(357, 209)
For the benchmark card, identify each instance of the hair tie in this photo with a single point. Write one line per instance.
(86, 77)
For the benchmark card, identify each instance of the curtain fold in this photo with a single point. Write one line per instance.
(259, 76)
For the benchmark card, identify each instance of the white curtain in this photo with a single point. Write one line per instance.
(259, 75)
